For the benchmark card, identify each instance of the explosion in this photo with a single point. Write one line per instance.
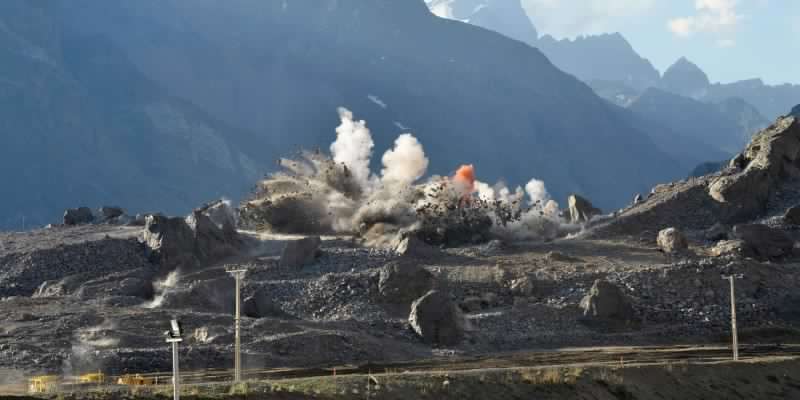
(337, 193)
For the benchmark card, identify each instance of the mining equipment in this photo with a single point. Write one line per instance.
(44, 384)
(135, 380)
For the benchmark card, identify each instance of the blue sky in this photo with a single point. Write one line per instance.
(729, 39)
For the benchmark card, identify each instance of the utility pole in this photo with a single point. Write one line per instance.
(174, 337)
(734, 335)
(237, 274)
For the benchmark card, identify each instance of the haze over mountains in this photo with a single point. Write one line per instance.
(159, 105)
(687, 115)
(137, 102)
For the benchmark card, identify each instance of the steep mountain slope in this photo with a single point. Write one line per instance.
(610, 65)
(700, 121)
(606, 57)
(771, 101)
(82, 126)
(743, 114)
(470, 95)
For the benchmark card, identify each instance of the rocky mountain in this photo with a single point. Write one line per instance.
(81, 125)
(771, 100)
(469, 95)
(506, 17)
(604, 58)
(712, 124)
(610, 65)
(795, 111)
(686, 79)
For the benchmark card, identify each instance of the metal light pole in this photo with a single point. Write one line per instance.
(734, 335)
(174, 337)
(237, 274)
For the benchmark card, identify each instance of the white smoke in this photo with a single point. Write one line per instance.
(536, 191)
(162, 288)
(317, 194)
(405, 163)
(353, 146)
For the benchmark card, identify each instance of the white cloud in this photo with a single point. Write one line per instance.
(570, 18)
(713, 16)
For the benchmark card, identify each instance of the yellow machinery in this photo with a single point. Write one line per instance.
(135, 380)
(43, 384)
(95, 377)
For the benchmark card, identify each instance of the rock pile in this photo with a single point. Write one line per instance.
(62, 270)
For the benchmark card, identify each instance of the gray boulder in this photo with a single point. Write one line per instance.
(414, 247)
(78, 216)
(764, 242)
(672, 241)
(221, 214)
(211, 242)
(299, 253)
(581, 210)
(606, 301)
(437, 320)
(403, 282)
(108, 213)
(792, 215)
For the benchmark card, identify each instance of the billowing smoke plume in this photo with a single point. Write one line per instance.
(353, 146)
(405, 163)
(316, 193)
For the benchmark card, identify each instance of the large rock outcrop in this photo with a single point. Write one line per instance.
(170, 241)
(437, 320)
(737, 194)
(78, 216)
(177, 242)
(580, 209)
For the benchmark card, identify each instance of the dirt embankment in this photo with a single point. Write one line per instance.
(763, 379)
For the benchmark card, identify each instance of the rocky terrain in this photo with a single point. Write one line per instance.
(94, 296)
